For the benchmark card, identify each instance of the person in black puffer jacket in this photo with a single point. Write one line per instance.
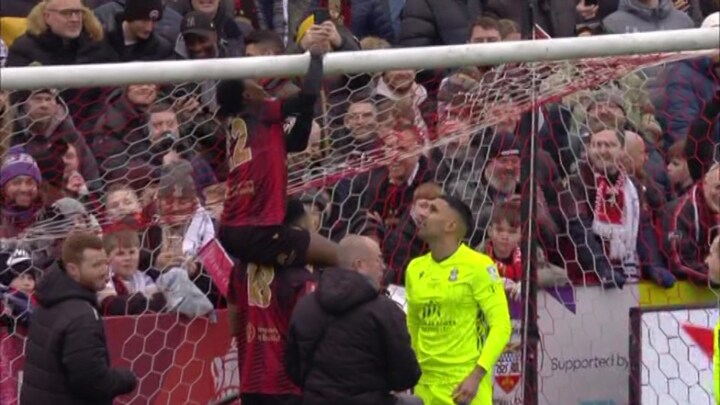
(66, 355)
(52, 39)
(440, 22)
(133, 35)
(348, 343)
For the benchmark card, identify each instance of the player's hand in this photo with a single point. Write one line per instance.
(317, 50)
(467, 390)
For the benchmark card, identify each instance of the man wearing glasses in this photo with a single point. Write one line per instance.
(60, 32)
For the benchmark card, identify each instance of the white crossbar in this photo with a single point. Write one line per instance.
(357, 62)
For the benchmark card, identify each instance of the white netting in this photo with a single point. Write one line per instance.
(413, 126)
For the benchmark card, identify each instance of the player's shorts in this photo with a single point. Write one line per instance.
(266, 245)
(441, 394)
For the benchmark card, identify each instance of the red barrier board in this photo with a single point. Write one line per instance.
(177, 360)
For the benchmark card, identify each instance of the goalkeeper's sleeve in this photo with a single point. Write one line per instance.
(716, 362)
(489, 293)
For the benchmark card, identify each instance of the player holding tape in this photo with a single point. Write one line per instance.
(252, 227)
(458, 314)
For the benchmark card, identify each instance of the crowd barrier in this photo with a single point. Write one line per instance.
(585, 358)
(176, 360)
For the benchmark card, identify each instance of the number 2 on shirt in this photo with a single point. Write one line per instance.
(238, 141)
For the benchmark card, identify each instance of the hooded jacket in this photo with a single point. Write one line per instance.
(61, 128)
(66, 357)
(168, 27)
(349, 344)
(154, 48)
(633, 16)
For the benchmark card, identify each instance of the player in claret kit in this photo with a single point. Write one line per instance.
(261, 300)
(251, 226)
(458, 314)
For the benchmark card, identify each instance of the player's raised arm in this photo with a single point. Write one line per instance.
(302, 106)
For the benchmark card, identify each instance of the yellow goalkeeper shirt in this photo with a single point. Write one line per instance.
(458, 317)
(716, 362)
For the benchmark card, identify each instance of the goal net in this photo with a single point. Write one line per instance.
(382, 145)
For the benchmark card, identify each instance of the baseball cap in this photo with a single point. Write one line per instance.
(197, 23)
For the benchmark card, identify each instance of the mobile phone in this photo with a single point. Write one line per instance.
(321, 15)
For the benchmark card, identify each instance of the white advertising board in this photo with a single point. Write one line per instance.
(674, 369)
(584, 348)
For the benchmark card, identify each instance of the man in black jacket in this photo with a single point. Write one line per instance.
(132, 32)
(66, 357)
(348, 343)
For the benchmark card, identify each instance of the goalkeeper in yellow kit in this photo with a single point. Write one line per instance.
(458, 314)
(713, 263)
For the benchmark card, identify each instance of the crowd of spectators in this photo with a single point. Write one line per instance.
(628, 180)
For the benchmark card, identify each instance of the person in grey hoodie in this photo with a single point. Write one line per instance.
(646, 16)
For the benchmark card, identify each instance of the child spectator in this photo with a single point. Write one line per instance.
(121, 202)
(130, 291)
(503, 246)
(677, 168)
(17, 286)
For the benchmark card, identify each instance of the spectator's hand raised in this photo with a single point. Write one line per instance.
(681, 5)
(315, 35)
(187, 106)
(587, 12)
(254, 91)
(75, 183)
(332, 33)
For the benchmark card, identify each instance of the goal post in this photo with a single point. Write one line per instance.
(538, 96)
(362, 61)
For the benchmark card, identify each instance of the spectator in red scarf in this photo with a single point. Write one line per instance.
(607, 221)
(503, 246)
(20, 180)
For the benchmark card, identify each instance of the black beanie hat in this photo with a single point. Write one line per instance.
(143, 10)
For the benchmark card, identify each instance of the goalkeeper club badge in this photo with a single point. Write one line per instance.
(225, 373)
(453, 274)
(493, 272)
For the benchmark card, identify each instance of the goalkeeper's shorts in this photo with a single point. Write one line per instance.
(274, 245)
(441, 394)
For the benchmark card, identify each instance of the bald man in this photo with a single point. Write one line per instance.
(348, 343)
(637, 154)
